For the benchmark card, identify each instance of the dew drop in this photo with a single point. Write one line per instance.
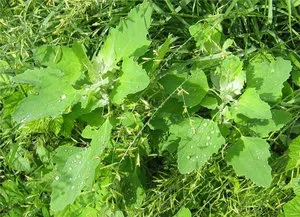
(64, 96)
(72, 187)
(188, 157)
(56, 178)
(78, 156)
(208, 137)
(205, 124)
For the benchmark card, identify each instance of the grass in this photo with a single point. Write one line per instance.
(253, 25)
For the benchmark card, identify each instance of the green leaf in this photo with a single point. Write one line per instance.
(183, 212)
(251, 106)
(195, 86)
(262, 127)
(209, 102)
(268, 78)
(207, 35)
(295, 184)
(294, 154)
(132, 80)
(296, 77)
(76, 166)
(292, 208)
(229, 78)
(199, 140)
(62, 58)
(118, 44)
(53, 95)
(249, 158)
(157, 56)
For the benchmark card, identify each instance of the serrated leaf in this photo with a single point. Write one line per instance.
(294, 154)
(117, 46)
(195, 86)
(199, 140)
(53, 94)
(249, 158)
(268, 78)
(262, 127)
(76, 166)
(132, 80)
(251, 106)
(229, 78)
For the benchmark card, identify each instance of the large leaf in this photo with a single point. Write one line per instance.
(199, 140)
(249, 158)
(251, 106)
(262, 127)
(66, 59)
(268, 78)
(294, 154)
(194, 86)
(53, 94)
(118, 44)
(75, 167)
(133, 79)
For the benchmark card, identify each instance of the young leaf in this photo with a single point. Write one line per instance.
(251, 106)
(117, 45)
(207, 35)
(132, 80)
(294, 153)
(268, 78)
(199, 140)
(249, 158)
(53, 94)
(229, 78)
(76, 167)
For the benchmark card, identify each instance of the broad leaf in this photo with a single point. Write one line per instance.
(194, 86)
(262, 127)
(249, 158)
(118, 43)
(251, 106)
(53, 94)
(132, 80)
(199, 140)
(294, 154)
(268, 78)
(62, 58)
(75, 167)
